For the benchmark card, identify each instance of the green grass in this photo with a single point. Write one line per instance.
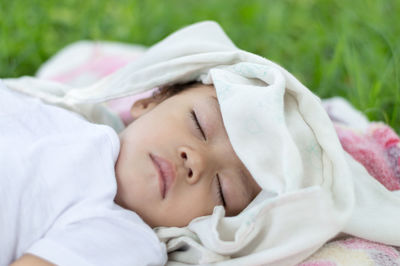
(348, 48)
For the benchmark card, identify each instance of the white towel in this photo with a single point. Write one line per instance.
(312, 190)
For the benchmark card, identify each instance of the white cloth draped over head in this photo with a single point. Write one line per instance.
(312, 190)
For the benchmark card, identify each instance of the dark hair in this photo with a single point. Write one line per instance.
(167, 91)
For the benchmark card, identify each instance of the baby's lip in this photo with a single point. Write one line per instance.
(166, 173)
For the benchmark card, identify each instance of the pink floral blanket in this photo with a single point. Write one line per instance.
(375, 145)
(378, 149)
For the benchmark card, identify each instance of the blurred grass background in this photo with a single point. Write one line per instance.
(336, 48)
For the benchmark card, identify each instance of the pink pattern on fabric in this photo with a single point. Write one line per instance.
(318, 263)
(383, 135)
(98, 63)
(357, 243)
(367, 253)
(378, 150)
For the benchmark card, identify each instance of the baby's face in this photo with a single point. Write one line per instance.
(176, 162)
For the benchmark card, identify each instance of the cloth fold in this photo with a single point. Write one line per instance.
(312, 190)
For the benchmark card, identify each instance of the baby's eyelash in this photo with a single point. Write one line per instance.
(220, 193)
(196, 121)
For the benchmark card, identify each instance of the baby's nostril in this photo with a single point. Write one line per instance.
(183, 155)
(190, 173)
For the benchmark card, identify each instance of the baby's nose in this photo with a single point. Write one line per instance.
(193, 162)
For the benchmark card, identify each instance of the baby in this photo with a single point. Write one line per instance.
(73, 193)
(61, 177)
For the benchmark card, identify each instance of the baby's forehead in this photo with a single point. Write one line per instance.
(204, 93)
(202, 89)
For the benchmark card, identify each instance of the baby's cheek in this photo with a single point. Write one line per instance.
(193, 207)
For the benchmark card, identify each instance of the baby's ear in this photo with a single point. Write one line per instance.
(142, 106)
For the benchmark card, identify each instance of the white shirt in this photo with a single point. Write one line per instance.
(57, 185)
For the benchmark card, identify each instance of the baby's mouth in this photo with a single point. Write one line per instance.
(166, 173)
